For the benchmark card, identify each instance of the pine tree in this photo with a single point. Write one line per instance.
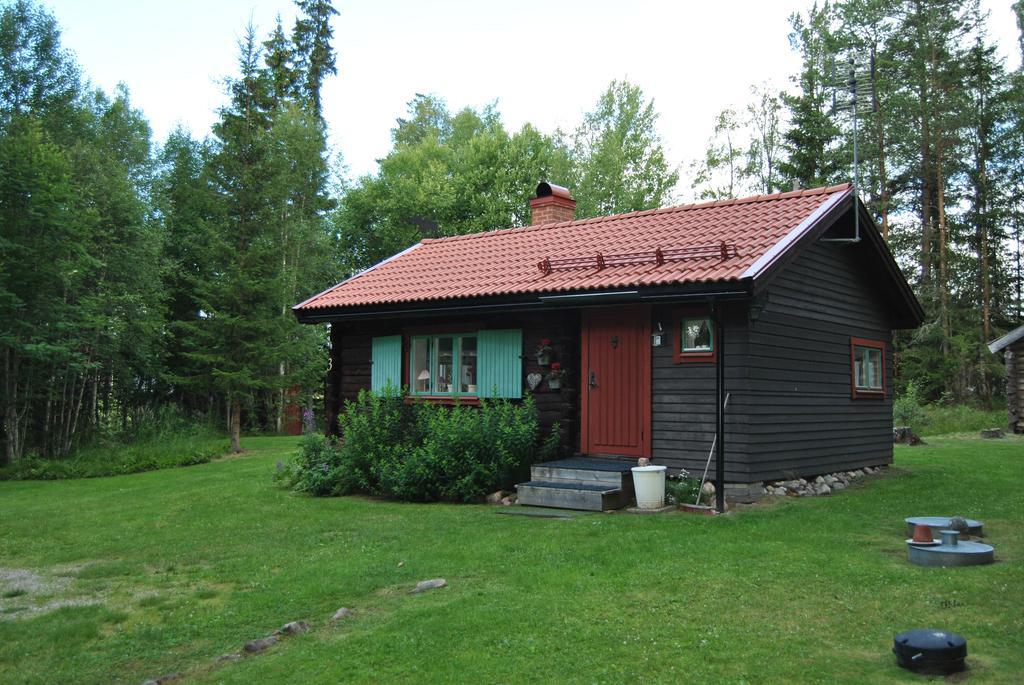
(187, 206)
(314, 56)
(814, 154)
(240, 331)
(280, 62)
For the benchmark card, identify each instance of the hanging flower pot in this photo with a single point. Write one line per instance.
(544, 352)
(556, 376)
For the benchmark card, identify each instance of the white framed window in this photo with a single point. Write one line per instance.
(444, 364)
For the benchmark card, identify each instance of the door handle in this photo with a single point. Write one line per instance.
(593, 380)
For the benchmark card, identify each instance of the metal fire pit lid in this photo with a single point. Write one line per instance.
(938, 523)
(930, 650)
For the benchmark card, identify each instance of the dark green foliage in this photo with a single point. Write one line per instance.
(313, 54)
(421, 452)
(36, 73)
(81, 308)
(682, 488)
(814, 154)
(164, 438)
(448, 174)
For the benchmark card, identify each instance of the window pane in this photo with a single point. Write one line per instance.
(443, 370)
(467, 365)
(867, 368)
(696, 335)
(420, 365)
(875, 366)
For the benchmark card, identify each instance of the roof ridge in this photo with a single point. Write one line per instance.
(803, 192)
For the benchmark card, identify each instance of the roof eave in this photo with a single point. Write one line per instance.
(1007, 340)
(718, 290)
(297, 308)
(813, 227)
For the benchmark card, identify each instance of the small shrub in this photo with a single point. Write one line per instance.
(907, 409)
(315, 468)
(421, 452)
(682, 488)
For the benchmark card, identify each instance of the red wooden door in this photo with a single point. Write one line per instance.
(616, 381)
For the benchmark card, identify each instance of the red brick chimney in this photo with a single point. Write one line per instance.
(552, 204)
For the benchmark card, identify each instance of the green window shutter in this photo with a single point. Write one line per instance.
(386, 355)
(501, 367)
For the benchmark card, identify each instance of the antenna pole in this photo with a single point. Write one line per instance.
(855, 92)
(856, 179)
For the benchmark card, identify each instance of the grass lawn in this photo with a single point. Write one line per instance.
(126, 578)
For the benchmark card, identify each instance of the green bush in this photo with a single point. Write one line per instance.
(421, 452)
(907, 409)
(682, 488)
(163, 439)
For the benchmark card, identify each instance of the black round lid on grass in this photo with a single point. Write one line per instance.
(929, 650)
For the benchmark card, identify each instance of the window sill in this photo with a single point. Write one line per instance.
(695, 357)
(448, 400)
(863, 394)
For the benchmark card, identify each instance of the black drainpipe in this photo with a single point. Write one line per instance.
(716, 310)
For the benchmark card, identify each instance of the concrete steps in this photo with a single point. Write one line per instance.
(580, 483)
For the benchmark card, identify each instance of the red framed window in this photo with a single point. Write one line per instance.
(694, 339)
(867, 368)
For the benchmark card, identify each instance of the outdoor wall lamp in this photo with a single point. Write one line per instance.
(658, 337)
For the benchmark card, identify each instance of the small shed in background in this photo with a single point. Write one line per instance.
(1012, 346)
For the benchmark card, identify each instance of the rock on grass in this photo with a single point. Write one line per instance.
(431, 584)
(294, 628)
(254, 646)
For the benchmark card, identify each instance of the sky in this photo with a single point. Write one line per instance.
(544, 63)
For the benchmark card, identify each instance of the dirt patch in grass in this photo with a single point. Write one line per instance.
(16, 582)
(26, 593)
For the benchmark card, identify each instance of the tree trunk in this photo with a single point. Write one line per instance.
(926, 206)
(12, 428)
(943, 261)
(981, 206)
(279, 414)
(236, 426)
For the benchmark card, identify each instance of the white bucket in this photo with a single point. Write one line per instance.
(649, 483)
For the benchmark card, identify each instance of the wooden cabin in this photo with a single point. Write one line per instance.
(788, 295)
(1012, 347)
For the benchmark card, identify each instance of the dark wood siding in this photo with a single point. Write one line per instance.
(801, 417)
(683, 400)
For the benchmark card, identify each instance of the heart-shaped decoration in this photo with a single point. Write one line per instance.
(534, 379)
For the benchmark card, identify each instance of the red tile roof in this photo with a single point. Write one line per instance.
(505, 262)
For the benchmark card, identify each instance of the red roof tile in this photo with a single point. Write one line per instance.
(505, 262)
